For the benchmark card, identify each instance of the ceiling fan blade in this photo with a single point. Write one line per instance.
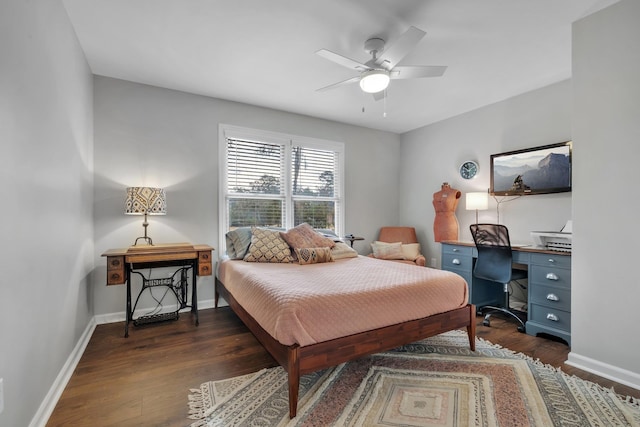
(342, 60)
(342, 83)
(400, 48)
(416, 72)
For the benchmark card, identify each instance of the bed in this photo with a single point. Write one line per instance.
(311, 317)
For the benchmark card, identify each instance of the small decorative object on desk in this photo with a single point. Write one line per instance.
(351, 238)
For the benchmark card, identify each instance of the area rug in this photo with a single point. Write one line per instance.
(434, 382)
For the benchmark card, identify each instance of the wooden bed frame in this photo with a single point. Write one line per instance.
(302, 360)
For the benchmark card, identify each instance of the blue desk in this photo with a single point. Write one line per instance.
(549, 285)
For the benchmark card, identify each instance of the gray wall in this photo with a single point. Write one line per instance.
(431, 155)
(46, 139)
(606, 127)
(146, 135)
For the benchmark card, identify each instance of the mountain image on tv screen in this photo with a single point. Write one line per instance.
(536, 171)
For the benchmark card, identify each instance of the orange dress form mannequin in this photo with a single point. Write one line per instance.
(445, 225)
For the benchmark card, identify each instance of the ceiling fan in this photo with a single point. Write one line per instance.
(375, 74)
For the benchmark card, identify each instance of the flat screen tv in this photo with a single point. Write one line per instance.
(537, 170)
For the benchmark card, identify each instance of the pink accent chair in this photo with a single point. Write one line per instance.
(405, 235)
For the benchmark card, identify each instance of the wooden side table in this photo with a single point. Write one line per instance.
(121, 263)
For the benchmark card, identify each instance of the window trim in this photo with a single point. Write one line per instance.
(236, 132)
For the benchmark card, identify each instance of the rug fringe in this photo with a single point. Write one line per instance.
(630, 400)
(202, 401)
(196, 406)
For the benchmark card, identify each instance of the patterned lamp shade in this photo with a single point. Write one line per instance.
(146, 200)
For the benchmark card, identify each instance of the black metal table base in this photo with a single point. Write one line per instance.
(156, 318)
(177, 283)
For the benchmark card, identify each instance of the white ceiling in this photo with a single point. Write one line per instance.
(262, 52)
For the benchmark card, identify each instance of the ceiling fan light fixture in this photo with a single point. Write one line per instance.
(374, 81)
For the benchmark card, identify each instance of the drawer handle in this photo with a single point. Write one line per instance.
(115, 276)
(553, 317)
(115, 262)
(551, 260)
(553, 297)
(552, 276)
(456, 250)
(455, 261)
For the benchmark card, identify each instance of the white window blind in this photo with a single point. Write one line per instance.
(274, 180)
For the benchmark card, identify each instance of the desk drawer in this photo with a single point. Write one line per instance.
(204, 269)
(550, 317)
(115, 270)
(552, 297)
(115, 263)
(204, 263)
(551, 260)
(456, 262)
(550, 276)
(457, 250)
(204, 256)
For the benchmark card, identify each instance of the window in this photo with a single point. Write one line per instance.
(275, 180)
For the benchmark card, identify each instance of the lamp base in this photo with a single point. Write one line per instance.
(146, 239)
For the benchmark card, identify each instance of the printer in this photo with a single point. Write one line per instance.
(554, 240)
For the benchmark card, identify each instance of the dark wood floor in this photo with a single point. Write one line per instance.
(144, 380)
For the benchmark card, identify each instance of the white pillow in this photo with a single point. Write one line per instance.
(411, 251)
(383, 250)
(341, 250)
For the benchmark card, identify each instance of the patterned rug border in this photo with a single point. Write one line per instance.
(212, 394)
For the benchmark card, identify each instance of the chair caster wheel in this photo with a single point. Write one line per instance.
(522, 329)
(486, 322)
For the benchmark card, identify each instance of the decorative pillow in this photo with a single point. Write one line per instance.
(304, 236)
(267, 246)
(313, 255)
(342, 250)
(238, 242)
(411, 251)
(383, 250)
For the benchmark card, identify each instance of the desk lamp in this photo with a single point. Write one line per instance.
(477, 201)
(145, 201)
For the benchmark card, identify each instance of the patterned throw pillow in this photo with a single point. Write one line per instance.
(313, 255)
(382, 250)
(268, 246)
(304, 236)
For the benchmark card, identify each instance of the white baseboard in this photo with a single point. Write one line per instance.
(102, 319)
(51, 399)
(604, 370)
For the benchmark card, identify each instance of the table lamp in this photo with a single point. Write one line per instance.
(477, 201)
(145, 201)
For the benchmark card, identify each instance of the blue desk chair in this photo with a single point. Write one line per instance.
(495, 263)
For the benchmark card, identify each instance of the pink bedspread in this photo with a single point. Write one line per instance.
(307, 304)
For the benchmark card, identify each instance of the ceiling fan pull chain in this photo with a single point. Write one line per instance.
(384, 111)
